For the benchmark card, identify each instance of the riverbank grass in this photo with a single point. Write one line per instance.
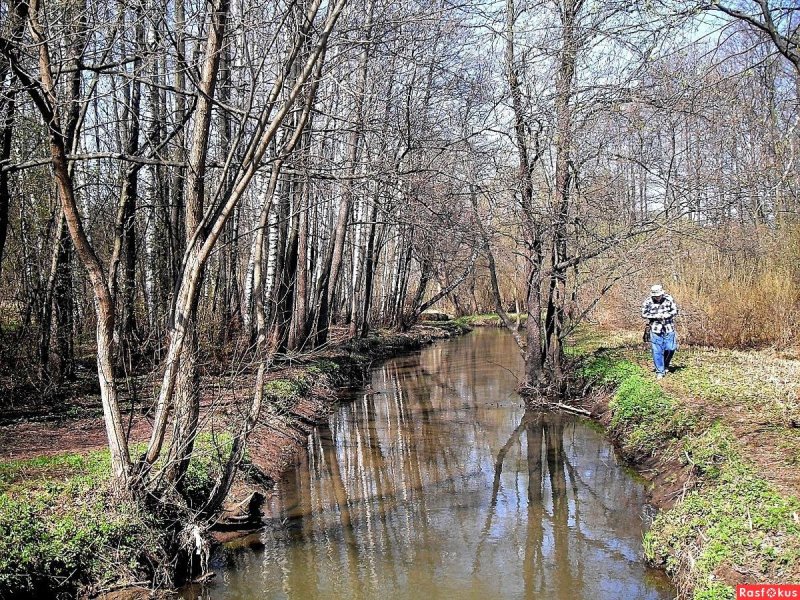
(65, 530)
(735, 521)
(733, 525)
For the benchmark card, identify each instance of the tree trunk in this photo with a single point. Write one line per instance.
(299, 326)
(7, 110)
(202, 244)
(131, 192)
(334, 262)
(554, 324)
(361, 318)
(48, 104)
(184, 345)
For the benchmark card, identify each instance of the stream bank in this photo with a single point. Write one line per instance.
(718, 440)
(62, 533)
(438, 481)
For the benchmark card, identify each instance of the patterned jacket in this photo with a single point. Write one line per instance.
(660, 314)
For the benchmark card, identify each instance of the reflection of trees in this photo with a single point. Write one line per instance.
(533, 573)
(389, 452)
(360, 500)
(382, 491)
(546, 462)
(556, 547)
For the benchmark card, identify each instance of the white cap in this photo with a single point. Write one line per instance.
(656, 290)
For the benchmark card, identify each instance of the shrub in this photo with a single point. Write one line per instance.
(737, 287)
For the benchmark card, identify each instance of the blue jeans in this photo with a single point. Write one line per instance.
(664, 346)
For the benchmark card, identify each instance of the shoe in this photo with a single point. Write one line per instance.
(660, 376)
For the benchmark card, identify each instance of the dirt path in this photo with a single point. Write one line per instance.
(29, 440)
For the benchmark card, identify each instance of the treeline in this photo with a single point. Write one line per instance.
(188, 182)
(182, 182)
(316, 218)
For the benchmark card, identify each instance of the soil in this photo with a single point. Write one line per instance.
(669, 479)
(31, 439)
(274, 443)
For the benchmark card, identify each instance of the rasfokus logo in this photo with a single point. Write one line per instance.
(768, 591)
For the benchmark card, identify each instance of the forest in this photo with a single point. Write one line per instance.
(197, 195)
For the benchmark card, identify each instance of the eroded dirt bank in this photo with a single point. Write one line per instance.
(719, 442)
(64, 533)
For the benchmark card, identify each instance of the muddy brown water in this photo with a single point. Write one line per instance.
(436, 482)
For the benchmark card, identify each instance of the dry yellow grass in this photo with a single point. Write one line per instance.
(737, 287)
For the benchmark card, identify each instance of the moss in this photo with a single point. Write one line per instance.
(283, 390)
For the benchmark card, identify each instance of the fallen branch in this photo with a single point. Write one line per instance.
(565, 407)
(573, 409)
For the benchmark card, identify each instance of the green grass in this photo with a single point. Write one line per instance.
(643, 417)
(733, 519)
(211, 452)
(63, 528)
(84, 471)
(755, 381)
(323, 367)
(282, 391)
(587, 340)
(608, 368)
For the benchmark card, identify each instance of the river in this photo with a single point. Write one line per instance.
(436, 482)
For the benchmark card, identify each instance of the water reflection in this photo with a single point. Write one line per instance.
(437, 483)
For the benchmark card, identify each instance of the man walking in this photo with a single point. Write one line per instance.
(660, 309)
